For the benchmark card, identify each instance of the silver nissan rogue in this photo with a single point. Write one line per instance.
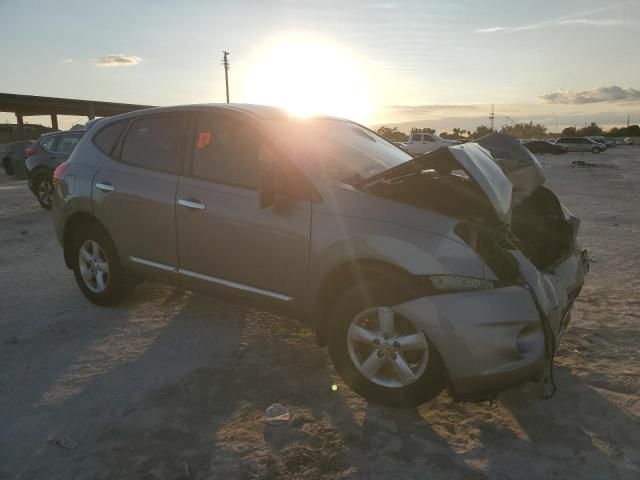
(454, 269)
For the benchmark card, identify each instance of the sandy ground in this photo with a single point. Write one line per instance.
(174, 385)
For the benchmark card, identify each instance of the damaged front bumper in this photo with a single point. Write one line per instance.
(494, 339)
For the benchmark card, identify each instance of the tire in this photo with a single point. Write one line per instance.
(360, 302)
(8, 168)
(596, 150)
(114, 284)
(43, 189)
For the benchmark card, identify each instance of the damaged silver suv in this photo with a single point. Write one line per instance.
(455, 269)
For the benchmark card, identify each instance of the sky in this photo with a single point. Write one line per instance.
(409, 63)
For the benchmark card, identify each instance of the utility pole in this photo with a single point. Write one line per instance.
(492, 115)
(225, 62)
(627, 121)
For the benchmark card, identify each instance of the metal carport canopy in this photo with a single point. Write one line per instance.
(24, 105)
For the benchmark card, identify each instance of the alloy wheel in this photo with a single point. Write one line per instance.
(386, 348)
(94, 266)
(45, 192)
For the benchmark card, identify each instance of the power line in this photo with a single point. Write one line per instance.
(225, 62)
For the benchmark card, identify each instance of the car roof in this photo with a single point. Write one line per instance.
(63, 132)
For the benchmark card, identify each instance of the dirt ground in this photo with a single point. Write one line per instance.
(174, 385)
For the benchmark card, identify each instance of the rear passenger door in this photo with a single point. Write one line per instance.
(225, 240)
(134, 191)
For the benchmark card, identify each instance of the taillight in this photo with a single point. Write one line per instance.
(30, 151)
(59, 171)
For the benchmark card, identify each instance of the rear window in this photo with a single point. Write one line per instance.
(108, 136)
(67, 143)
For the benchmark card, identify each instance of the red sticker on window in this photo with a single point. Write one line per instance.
(203, 139)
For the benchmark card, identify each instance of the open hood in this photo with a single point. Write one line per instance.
(482, 168)
(519, 165)
(470, 157)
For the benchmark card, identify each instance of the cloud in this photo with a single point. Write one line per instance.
(418, 109)
(67, 60)
(612, 94)
(381, 6)
(591, 22)
(577, 19)
(117, 60)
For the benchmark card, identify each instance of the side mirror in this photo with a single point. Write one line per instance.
(268, 189)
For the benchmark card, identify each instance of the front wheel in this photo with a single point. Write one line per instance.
(383, 356)
(97, 269)
(596, 150)
(44, 192)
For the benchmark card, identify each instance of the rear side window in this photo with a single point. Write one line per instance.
(428, 138)
(228, 151)
(66, 143)
(49, 143)
(108, 136)
(416, 138)
(156, 143)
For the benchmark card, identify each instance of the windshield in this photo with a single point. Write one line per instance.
(339, 149)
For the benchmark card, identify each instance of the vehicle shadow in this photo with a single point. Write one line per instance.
(192, 403)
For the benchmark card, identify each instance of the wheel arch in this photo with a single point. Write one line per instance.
(71, 226)
(343, 275)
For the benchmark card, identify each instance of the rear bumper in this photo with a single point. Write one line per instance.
(491, 340)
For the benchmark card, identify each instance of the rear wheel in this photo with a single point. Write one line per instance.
(596, 150)
(8, 168)
(44, 191)
(383, 356)
(96, 266)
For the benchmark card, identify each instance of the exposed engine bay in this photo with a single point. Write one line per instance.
(536, 222)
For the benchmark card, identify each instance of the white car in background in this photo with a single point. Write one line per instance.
(420, 143)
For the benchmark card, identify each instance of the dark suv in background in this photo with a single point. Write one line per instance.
(15, 153)
(46, 153)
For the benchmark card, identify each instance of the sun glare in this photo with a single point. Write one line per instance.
(308, 77)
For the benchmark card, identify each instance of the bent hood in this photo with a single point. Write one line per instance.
(480, 166)
(519, 165)
(474, 160)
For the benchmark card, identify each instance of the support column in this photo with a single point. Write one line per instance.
(54, 121)
(19, 120)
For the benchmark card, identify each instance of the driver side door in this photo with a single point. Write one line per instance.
(226, 242)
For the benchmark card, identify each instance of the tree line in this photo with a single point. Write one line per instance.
(518, 130)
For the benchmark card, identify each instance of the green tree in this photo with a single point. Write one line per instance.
(569, 131)
(592, 129)
(392, 134)
(480, 131)
(525, 130)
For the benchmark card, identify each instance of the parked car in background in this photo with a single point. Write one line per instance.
(603, 140)
(420, 143)
(14, 156)
(542, 146)
(326, 220)
(44, 156)
(628, 141)
(581, 144)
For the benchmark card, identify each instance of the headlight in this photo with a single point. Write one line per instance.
(457, 282)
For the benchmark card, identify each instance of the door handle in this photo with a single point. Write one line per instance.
(191, 204)
(105, 187)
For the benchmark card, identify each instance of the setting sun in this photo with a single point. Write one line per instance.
(307, 77)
